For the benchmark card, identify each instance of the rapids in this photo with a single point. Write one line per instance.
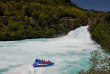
(70, 54)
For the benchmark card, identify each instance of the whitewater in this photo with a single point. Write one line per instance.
(70, 54)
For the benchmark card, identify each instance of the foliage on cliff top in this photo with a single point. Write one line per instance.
(37, 18)
(100, 30)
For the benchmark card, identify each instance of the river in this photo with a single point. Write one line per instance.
(70, 54)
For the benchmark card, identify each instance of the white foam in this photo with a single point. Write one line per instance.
(27, 68)
(63, 51)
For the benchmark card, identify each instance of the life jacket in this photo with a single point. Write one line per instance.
(43, 62)
(40, 61)
(48, 62)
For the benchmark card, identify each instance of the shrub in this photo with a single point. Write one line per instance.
(99, 63)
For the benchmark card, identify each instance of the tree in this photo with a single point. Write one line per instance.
(99, 63)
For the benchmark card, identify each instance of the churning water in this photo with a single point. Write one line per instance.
(69, 53)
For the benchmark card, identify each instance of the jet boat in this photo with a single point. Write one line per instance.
(42, 63)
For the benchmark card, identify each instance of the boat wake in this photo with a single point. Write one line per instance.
(29, 69)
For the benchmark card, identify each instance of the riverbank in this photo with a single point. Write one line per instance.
(100, 29)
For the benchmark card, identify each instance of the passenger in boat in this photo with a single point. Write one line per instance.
(45, 62)
(40, 61)
(36, 60)
(48, 62)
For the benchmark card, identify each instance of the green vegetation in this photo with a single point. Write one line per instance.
(99, 63)
(38, 18)
(100, 30)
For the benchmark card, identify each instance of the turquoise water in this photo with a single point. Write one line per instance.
(70, 54)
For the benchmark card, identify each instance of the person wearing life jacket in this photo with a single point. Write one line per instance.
(36, 60)
(45, 62)
(48, 62)
(40, 61)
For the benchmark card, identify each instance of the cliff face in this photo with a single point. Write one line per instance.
(72, 23)
(68, 23)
